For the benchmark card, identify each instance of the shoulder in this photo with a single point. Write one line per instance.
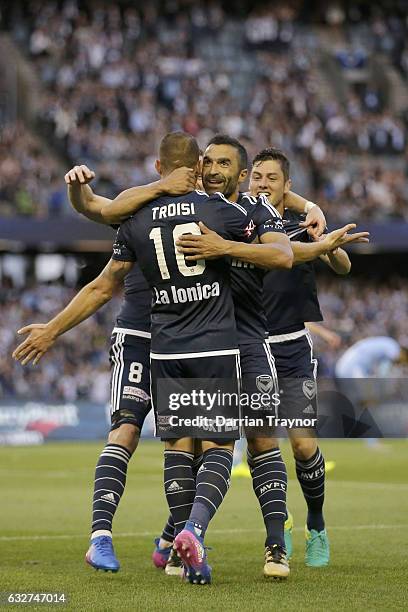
(235, 208)
(263, 202)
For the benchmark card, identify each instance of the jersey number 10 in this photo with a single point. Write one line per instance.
(182, 228)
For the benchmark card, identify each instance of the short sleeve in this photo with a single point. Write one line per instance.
(267, 218)
(122, 249)
(238, 222)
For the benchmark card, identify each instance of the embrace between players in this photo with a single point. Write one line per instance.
(218, 285)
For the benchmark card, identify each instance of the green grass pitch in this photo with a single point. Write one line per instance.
(45, 514)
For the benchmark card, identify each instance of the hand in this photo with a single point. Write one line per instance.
(333, 340)
(179, 181)
(36, 345)
(315, 222)
(340, 237)
(81, 175)
(209, 245)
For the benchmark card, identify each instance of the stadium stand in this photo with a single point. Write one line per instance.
(113, 78)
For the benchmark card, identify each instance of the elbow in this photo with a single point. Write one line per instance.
(345, 268)
(282, 260)
(344, 271)
(107, 215)
(286, 260)
(103, 293)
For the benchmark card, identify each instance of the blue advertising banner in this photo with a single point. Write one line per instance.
(35, 422)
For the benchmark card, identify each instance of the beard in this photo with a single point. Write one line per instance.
(227, 187)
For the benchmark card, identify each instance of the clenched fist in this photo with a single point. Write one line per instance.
(79, 175)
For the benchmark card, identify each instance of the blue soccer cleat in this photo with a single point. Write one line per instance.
(317, 548)
(101, 554)
(190, 548)
(161, 556)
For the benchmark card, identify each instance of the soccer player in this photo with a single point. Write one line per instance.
(293, 296)
(368, 358)
(291, 301)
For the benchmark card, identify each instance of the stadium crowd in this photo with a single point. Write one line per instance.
(350, 313)
(59, 378)
(115, 80)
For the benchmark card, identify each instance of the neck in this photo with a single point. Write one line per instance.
(234, 196)
(280, 207)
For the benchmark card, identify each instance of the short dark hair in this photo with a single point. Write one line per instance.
(276, 155)
(178, 149)
(224, 139)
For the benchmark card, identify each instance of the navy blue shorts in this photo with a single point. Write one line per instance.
(130, 377)
(297, 371)
(259, 377)
(181, 386)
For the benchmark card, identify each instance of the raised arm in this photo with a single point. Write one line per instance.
(181, 180)
(81, 196)
(112, 212)
(91, 297)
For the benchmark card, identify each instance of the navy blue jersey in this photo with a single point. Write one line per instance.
(290, 296)
(192, 309)
(136, 306)
(247, 279)
(137, 302)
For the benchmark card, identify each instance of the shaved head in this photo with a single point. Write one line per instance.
(178, 149)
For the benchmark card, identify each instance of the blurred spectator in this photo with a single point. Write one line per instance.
(30, 178)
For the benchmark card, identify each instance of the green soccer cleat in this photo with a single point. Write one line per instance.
(317, 548)
(288, 535)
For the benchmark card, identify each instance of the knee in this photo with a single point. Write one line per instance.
(303, 448)
(126, 435)
(261, 445)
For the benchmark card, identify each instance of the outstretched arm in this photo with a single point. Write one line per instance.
(274, 252)
(328, 248)
(83, 305)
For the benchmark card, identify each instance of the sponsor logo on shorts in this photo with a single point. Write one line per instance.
(309, 389)
(309, 409)
(134, 393)
(264, 383)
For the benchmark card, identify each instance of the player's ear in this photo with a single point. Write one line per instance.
(288, 186)
(157, 165)
(243, 175)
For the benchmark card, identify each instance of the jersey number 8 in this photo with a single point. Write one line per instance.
(135, 372)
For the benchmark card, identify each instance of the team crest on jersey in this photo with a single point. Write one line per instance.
(264, 383)
(309, 388)
(250, 228)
